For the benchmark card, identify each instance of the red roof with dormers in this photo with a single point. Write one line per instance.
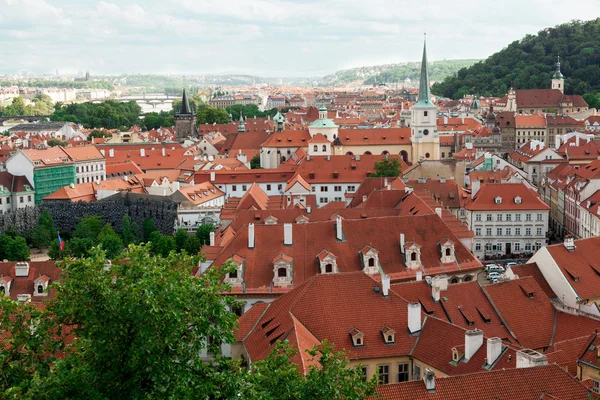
(318, 138)
(288, 138)
(310, 239)
(47, 270)
(374, 136)
(548, 382)
(313, 304)
(508, 192)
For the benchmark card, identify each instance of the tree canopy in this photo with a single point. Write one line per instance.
(530, 62)
(41, 105)
(109, 114)
(388, 167)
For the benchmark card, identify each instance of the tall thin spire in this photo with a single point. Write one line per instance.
(424, 90)
(241, 126)
(557, 73)
(185, 105)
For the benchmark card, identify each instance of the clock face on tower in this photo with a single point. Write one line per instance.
(426, 132)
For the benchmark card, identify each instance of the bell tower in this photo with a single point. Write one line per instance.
(185, 120)
(558, 80)
(424, 135)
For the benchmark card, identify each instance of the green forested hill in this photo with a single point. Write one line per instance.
(529, 63)
(396, 73)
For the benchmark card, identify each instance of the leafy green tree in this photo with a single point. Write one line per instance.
(44, 232)
(128, 231)
(161, 245)
(276, 377)
(57, 142)
(79, 246)
(192, 245)
(255, 162)
(89, 227)
(389, 167)
(17, 249)
(110, 241)
(140, 328)
(203, 233)
(181, 236)
(98, 133)
(211, 115)
(148, 228)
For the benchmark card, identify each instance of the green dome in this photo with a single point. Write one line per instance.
(278, 118)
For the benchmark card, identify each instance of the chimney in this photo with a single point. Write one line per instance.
(251, 236)
(22, 270)
(385, 285)
(212, 238)
(435, 293)
(576, 140)
(473, 341)
(164, 152)
(494, 348)
(475, 185)
(308, 209)
(339, 233)
(142, 152)
(438, 211)
(419, 276)
(530, 358)
(357, 157)
(402, 243)
(212, 176)
(364, 198)
(102, 152)
(414, 317)
(385, 181)
(569, 243)
(287, 235)
(429, 380)
(389, 186)
(111, 153)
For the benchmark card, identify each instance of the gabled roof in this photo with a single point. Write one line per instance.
(485, 198)
(546, 382)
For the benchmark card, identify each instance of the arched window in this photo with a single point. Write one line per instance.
(315, 148)
(413, 256)
(324, 147)
(371, 262)
(385, 153)
(427, 155)
(349, 153)
(282, 272)
(329, 268)
(367, 153)
(448, 252)
(468, 278)
(404, 155)
(40, 289)
(454, 280)
(2, 290)
(233, 274)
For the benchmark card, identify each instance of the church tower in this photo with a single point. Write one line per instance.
(185, 120)
(558, 80)
(241, 126)
(424, 135)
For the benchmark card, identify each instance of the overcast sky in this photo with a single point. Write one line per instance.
(262, 37)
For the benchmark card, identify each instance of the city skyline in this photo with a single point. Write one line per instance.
(263, 38)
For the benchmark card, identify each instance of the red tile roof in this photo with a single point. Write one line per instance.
(508, 192)
(546, 382)
(533, 271)
(25, 285)
(288, 138)
(374, 136)
(530, 121)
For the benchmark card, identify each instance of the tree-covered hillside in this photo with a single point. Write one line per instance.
(396, 73)
(529, 64)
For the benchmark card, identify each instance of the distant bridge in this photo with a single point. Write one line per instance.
(149, 98)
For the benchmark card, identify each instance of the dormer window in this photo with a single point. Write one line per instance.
(498, 200)
(327, 262)
(412, 253)
(358, 338)
(389, 335)
(457, 354)
(236, 277)
(302, 219)
(41, 286)
(283, 270)
(271, 220)
(517, 200)
(447, 251)
(370, 260)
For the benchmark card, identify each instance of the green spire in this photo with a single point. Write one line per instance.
(557, 73)
(241, 126)
(185, 105)
(424, 90)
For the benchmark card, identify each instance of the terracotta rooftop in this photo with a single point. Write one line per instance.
(514, 197)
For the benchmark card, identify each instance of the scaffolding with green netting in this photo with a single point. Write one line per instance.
(48, 180)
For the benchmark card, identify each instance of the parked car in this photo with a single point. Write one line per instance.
(488, 266)
(493, 276)
(495, 268)
(511, 264)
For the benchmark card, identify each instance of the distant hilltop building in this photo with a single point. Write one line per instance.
(233, 100)
(85, 79)
(543, 100)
